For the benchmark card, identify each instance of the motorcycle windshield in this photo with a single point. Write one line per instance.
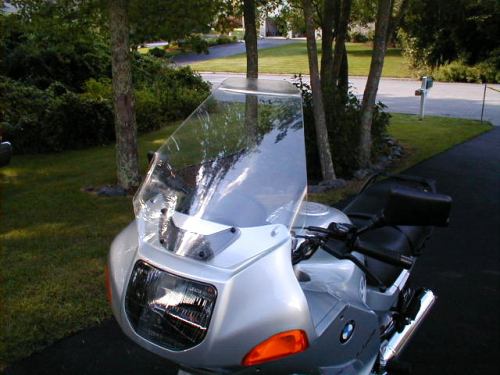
(238, 161)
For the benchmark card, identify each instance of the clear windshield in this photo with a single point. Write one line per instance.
(238, 161)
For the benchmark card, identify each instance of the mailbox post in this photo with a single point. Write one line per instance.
(427, 83)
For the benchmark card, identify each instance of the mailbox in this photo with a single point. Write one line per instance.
(428, 83)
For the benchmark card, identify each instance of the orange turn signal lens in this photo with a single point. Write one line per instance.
(277, 346)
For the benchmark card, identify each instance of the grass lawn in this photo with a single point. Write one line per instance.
(421, 140)
(55, 237)
(292, 58)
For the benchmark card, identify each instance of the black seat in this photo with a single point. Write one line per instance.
(407, 240)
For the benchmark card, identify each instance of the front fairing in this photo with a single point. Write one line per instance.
(216, 209)
(238, 162)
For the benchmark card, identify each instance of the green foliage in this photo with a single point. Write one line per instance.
(169, 20)
(40, 54)
(344, 137)
(438, 32)
(53, 119)
(458, 71)
(223, 39)
(195, 42)
(358, 37)
(158, 52)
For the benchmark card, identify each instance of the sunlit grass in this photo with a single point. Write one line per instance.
(54, 241)
(292, 58)
(421, 140)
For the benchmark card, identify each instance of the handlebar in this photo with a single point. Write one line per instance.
(386, 256)
(343, 231)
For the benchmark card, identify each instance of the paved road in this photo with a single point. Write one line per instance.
(462, 100)
(224, 50)
(461, 264)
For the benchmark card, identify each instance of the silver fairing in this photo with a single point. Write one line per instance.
(263, 297)
(237, 165)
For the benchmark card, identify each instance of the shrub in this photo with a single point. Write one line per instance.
(54, 119)
(344, 136)
(158, 52)
(224, 39)
(458, 71)
(358, 37)
(195, 42)
(40, 57)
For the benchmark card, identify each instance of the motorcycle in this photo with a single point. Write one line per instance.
(228, 268)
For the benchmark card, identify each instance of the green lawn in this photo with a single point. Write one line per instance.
(421, 140)
(292, 58)
(55, 237)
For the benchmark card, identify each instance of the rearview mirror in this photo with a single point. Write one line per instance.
(5, 153)
(415, 207)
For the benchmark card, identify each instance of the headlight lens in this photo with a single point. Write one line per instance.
(168, 310)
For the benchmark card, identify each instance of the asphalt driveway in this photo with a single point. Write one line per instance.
(461, 264)
(224, 50)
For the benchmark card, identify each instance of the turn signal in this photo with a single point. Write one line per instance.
(278, 346)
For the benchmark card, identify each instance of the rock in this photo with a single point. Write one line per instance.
(383, 160)
(397, 152)
(379, 167)
(324, 186)
(333, 184)
(112, 191)
(361, 173)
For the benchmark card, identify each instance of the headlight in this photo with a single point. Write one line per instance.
(168, 310)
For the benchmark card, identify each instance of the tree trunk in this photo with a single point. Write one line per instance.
(343, 84)
(127, 159)
(340, 38)
(327, 81)
(370, 93)
(396, 19)
(251, 39)
(325, 155)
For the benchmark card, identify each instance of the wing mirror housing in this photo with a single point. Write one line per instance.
(5, 153)
(418, 208)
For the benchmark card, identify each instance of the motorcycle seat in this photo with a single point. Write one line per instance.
(407, 240)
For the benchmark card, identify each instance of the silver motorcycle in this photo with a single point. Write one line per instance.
(228, 268)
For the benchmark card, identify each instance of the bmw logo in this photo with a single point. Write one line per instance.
(347, 332)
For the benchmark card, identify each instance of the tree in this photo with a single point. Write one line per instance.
(127, 159)
(454, 29)
(325, 156)
(340, 52)
(371, 88)
(327, 18)
(154, 19)
(251, 39)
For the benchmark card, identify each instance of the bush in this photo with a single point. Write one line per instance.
(54, 119)
(222, 39)
(40, 57)
(195, 42)
(344, 137)
(358, 37)
(457, 71)
(158, 52)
